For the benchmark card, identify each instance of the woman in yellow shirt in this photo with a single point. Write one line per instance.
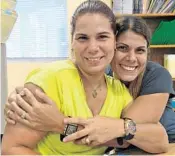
(79, 87)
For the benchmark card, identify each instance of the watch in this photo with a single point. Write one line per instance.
(130, 128)
(68, 129)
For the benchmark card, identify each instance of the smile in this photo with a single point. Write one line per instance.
(94, 59)
(128, 68)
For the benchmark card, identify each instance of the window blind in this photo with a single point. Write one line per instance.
(41, 30)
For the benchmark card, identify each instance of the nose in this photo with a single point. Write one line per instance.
(131, 56)
(93, 46)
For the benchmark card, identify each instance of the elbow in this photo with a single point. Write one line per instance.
(161, 147)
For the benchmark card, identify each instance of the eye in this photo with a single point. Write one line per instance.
(82, 38)
(122, 48)
(141, 51)
(103, 37)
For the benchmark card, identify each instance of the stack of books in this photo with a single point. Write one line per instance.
(143, 6)
(8, 18)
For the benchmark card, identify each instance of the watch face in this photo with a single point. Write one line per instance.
(131, 127)
(70, 129)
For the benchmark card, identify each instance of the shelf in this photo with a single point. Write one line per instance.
(163, 46)
(148, 15)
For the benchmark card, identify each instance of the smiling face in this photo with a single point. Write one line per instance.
(93, 43)
(130, 57)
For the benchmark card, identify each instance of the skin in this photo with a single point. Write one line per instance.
(97, 44)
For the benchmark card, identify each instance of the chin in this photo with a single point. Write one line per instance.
(95, 70)
(128, 78)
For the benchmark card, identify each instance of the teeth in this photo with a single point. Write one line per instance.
(128, 68)
(93, 59)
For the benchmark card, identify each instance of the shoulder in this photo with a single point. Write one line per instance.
(154, 71)
(156, 79)
(52, 69)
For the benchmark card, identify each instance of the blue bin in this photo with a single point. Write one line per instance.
(173, 103)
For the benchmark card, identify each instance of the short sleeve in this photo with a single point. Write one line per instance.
(46, 80)
(158, 80)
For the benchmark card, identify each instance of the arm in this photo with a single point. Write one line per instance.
(147, 108)
(19, 139)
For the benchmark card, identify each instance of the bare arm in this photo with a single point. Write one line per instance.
(147, 108)
(146, 111)
(20, 140)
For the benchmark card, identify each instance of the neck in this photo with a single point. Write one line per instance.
(92, 79)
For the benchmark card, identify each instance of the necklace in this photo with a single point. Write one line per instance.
(94, 92)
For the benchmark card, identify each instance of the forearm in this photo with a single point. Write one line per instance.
(151, 138)
(19, 150)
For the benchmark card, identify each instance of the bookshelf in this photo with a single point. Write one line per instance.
(148, 15)
(163, 46)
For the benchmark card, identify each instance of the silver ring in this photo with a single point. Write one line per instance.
(23, 115)
(87, 141)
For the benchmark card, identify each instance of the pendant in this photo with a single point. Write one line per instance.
(94, 93)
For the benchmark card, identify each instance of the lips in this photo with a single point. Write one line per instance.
(94, 60)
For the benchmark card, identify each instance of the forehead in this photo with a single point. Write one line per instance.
(132, 39)
(92, 23)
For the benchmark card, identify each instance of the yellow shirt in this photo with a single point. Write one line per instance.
(61, 82)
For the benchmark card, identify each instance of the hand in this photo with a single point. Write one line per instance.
(97, 131)
(9, 110)
(43, 115)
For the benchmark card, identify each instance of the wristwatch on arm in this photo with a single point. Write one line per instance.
(68, 129)
(130, 128)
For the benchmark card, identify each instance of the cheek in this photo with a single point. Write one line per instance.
(143, 60)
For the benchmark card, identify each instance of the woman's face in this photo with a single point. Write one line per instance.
(93, 43)
(130, 57)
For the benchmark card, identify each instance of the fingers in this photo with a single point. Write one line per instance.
(43, 96)
(12, 96)
(79, 121)
(76, 135)
(24, 121)
(19, 89)
(9, 116)
(29, 97)
(23, 104)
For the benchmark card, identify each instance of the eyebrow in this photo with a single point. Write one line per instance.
(101, 33)
(128, 45)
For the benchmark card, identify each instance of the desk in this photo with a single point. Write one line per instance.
(171, 151)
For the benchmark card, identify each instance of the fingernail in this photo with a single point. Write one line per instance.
(64, 140)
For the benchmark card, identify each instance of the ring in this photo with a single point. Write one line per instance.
(87, 141)
(23, 116)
